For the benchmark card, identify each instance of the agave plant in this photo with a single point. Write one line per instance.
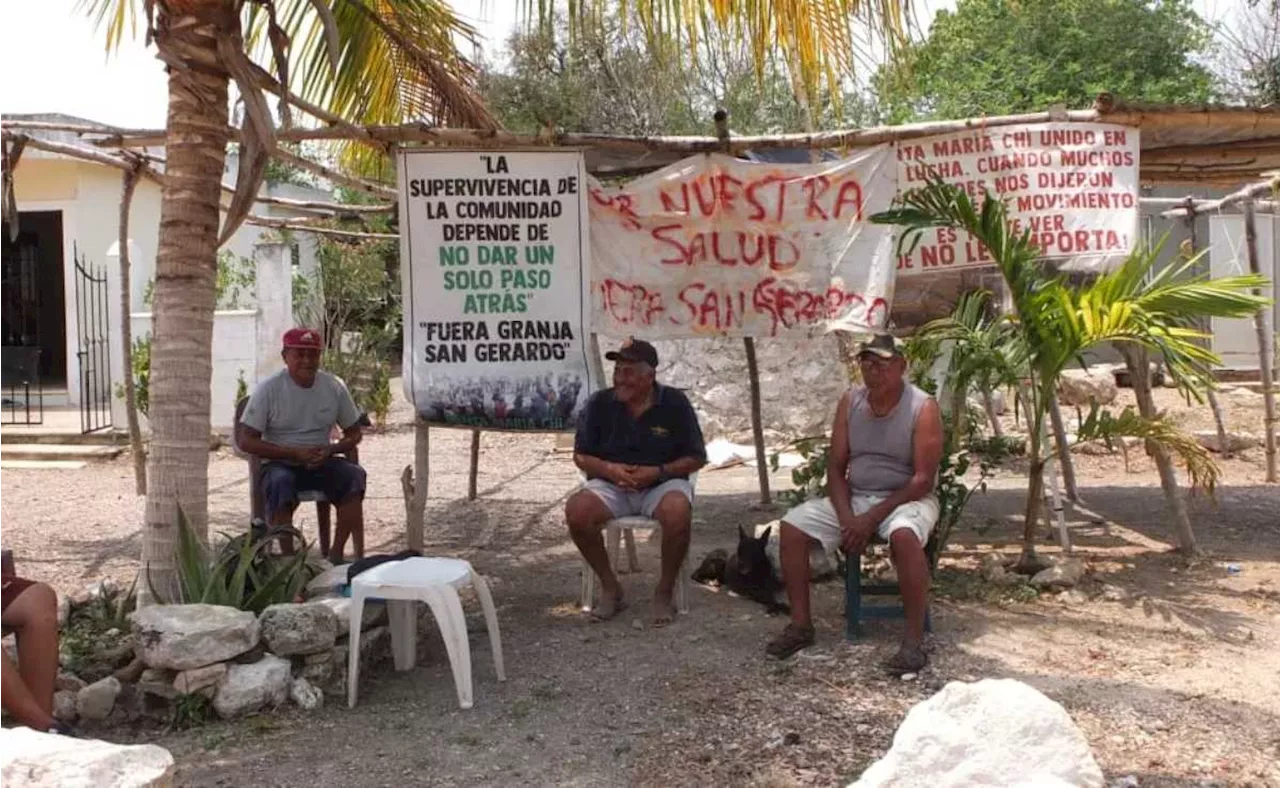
(240, 573)
(1156, 311)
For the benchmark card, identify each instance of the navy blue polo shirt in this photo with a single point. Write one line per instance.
(665, 432)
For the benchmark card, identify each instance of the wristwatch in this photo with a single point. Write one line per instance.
(663, 476)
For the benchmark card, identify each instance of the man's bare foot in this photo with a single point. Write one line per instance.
(609, 606)
(664, 612)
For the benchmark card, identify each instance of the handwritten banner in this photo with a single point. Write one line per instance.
(1073, 185)
(495, 250)
(716, 246)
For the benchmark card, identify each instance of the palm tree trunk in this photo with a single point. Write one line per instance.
(181, 350)
(1135, 358)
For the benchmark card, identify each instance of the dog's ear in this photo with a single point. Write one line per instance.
(742, 535)
(764, 537)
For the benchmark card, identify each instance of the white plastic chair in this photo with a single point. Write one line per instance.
(436, 582)
(614, 530)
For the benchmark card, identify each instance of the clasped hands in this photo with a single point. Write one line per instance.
(314, 456)
(632, 477)
(855, 531)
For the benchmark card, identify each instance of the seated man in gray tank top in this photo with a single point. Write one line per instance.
(886, 443)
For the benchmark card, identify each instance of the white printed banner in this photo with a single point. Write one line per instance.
(716, 246)
(1073, 185)
(494, 269)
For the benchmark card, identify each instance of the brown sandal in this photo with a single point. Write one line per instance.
(909, 659)
(794, 638)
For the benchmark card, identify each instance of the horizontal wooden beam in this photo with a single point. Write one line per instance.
(1248, 193)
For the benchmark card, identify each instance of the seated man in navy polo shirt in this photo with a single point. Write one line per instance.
(637, 444)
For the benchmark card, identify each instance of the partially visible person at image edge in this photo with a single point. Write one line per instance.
(26, 689)
(288, 422)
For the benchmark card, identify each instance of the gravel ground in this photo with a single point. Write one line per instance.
(1171, 669)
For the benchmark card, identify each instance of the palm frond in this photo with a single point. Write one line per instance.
(815, 38)
(397, 61)
(1105, 426)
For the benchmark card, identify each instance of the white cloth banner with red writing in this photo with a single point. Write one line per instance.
(717, 246)
(1073, 185)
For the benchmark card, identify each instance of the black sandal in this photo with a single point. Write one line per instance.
(794, 638)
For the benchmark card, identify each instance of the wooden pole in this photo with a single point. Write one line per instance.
(1211, 392)
(757, 424)
(1064, 452)
(413, 484)
(126, 338)
(475, 465)
(749, 344)
(1261, 325)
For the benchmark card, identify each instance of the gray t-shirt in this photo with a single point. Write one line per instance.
(289, 415)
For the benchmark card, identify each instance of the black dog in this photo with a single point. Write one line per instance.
(747, 573)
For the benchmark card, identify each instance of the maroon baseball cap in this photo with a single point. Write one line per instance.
(302, 338)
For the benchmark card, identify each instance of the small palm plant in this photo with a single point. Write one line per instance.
(1054, 323)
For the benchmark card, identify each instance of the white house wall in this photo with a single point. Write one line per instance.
(1237, 340)
(88, 196)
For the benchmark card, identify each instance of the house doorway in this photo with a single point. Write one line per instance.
(33, 322)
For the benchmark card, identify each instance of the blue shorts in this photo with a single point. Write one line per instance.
(337, 478)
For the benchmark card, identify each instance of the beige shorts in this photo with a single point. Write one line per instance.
(817, 518)
(636, 503)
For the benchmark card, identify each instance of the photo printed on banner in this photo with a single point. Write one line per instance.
(496, 306)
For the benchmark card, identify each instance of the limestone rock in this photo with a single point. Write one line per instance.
(1236, 441)
(69, 682)
(31, 759)
(307, 628)
(1085, 386)
(200, 680)
(64, 706)
(158, 682)
(248, 688)
(374, 612)
(96, 701)
(1063, 574)
(329, 580)
(305, 695)
(182, 637)
(993, 567)
(317, 668)
(994, 732)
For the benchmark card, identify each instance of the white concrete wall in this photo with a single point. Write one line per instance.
(1237, 340)
(234, 354)
(88, 196)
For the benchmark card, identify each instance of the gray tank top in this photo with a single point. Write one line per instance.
(880, 447)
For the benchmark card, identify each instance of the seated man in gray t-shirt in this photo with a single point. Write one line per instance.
(288, 422)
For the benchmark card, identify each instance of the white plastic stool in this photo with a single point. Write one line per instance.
(614, 530)
(436, 582)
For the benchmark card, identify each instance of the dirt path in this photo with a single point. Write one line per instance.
(1173, 672)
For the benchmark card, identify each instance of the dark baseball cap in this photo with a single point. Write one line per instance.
(882, 345)
(635, 350)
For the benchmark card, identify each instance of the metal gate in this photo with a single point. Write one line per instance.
(23, 397)
(94, 348)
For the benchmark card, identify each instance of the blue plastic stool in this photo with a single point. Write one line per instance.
(854, 589)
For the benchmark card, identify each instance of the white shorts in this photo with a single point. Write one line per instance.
(817, 518)
(633, 503)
